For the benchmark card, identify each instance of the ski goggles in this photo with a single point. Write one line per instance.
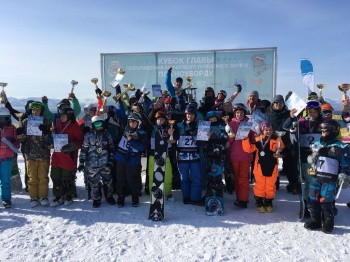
(327, 112)
(313, 104)
(98, 123)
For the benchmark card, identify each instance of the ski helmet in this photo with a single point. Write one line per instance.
(67, 111)
(136, 117)
(223, 92)
(37, 105)
(90, 107)
(331, 126)
(191, 109)
(239, 106)
(212, 114)
(97, 121)
(64, 102)
(313, 104)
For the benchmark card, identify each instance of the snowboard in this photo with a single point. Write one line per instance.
(214, 200)
(16, 182)
(301, 178)
(156, 212)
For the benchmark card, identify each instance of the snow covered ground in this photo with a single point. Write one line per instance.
(82, 233)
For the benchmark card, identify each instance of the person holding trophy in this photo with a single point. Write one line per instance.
(267, 148)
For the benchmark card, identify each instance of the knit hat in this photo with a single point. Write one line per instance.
(278, 98)
(254, 93)
(167, 100)
(265, 125)
(326, 106)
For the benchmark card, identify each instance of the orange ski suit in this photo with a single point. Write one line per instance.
(265, 167)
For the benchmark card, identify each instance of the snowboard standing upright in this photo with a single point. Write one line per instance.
(214, 200)
(156, 212)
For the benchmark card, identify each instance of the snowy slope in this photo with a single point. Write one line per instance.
(82, 233)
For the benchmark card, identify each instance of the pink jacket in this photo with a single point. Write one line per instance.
(236, 149)
(8, 132)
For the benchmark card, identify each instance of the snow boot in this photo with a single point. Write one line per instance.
(260, 204)
(120, 201)
(34, 202)
(56, 201)
(7, 203)
(328, 217)
(96, 203)
(186, 200)
(241, 204)
(315, 213)
(268, 205)
(110, 200)
(135, 201)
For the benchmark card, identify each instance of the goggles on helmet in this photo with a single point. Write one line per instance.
(313, 104)
(98, 123)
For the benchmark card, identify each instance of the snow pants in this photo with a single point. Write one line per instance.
(308, 178)
(128, 176)
(265, 186)
(191, 180)
(168, 180)
(63, 181)
(5, 179)
(38, 178)
(241, 178)
(97, 175)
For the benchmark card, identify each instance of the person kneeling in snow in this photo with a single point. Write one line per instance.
(97, 154)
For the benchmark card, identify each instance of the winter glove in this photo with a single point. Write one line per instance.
(20, 131)
(66, 149)
(343, 180)
(98, 92)
(239, 88)
(44, 128)
(81, 167)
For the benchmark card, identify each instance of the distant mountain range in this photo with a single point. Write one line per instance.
(18, 103)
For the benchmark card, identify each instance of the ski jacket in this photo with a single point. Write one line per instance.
(8, 132)
(37, 148)
(129, 152)
(75, 135)
(97, 149)
(331, 159)
(265, 163)
(236, 149)
(187, 148)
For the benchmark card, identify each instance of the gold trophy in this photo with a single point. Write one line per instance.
(3, 94)
(171, 138)
(228, 129)
(320, 87)
(94, 81)
(279, 134)
(190, 90)
(344, 88)
(312, 158)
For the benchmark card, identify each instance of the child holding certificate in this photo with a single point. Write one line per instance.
(239, 158)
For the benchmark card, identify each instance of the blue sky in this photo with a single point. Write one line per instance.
(45, 44)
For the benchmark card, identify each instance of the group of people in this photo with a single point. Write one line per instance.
(107, 144)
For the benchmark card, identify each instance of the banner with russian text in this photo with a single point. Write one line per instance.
(254, 69)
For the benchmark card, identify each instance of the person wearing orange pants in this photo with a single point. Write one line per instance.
(265, 166)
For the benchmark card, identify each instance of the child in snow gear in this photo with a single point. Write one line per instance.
(128, 156)
(309, 133)
(240, 159)
(64, 162)
(96, 155)
(37, 155)
(8, 143)
(188, 158)
(265, 166)
(214, 201)
(331, 163)
(161, 128)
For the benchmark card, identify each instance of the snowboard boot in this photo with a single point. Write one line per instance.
(260, 204)
(268, 205)
(110, 200)
(120, 201)
(328, 218)
(186, 200)
(241, 204)
(7, 203)
(315, 213)
(96, 203)
(135, 201)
